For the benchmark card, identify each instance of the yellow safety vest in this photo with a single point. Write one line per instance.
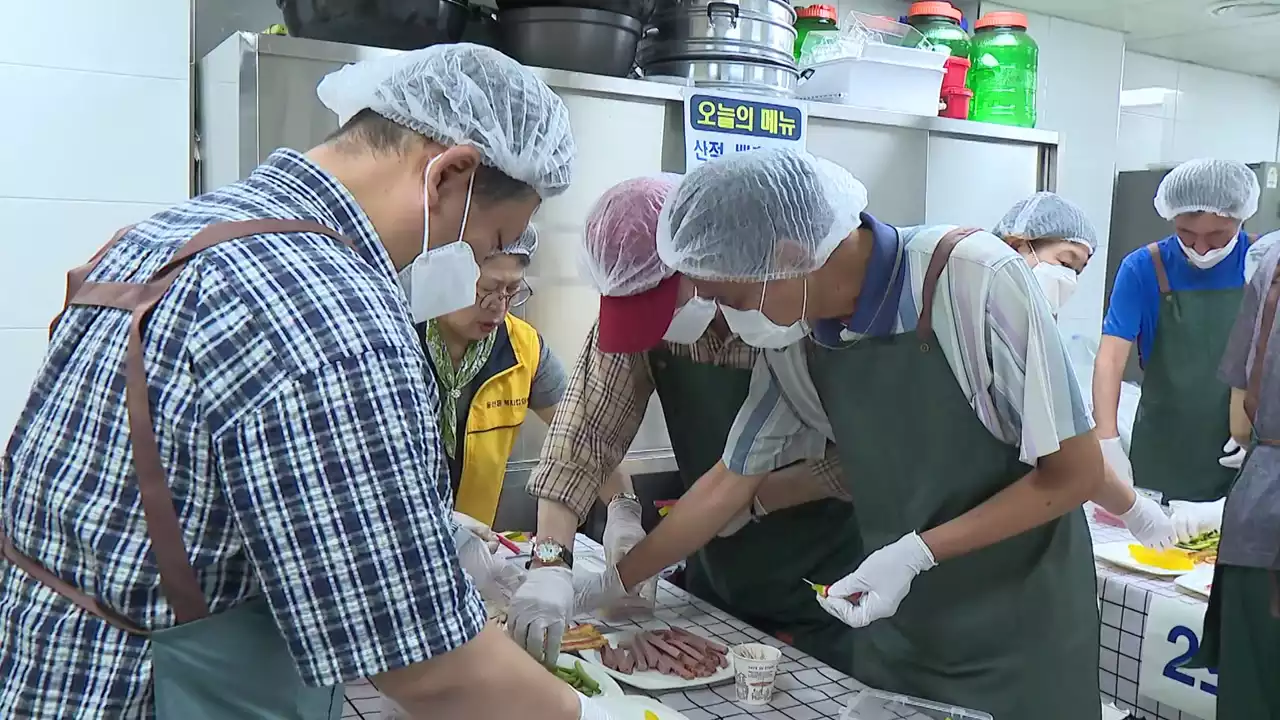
(497, 410)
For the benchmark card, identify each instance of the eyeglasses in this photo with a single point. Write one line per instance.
(497, 299)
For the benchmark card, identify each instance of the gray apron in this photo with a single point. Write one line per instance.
(757, 573)
(234, 664)
(1184, 414)
(1011, 629)
(1241, 637)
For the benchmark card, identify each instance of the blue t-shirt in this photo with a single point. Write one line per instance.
(1135, 297)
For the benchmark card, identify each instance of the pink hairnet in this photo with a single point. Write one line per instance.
(619, 248)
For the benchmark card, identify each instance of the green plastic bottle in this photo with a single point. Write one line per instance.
(1003, 74)
(814, 17)
(939, 23)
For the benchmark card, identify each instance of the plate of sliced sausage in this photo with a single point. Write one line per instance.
(671, 659)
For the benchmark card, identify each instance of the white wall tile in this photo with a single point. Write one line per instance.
(1214, 114)
(93, 136)
(133, 37)
(97, 129)
(45, 238)
(23, 353)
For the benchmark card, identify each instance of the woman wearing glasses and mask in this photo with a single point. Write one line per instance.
(492, 368)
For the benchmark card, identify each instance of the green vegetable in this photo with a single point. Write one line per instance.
(578, 679)
(1203, 541)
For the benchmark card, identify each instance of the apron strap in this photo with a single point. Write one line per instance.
(1254, 391)
(1162, 277)
(937, 263)
(177, 577)
(77, 275)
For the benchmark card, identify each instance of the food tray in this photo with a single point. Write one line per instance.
(1117, 553)
(652, 679)
(1198, 582)
(608, 686)
(633, 707)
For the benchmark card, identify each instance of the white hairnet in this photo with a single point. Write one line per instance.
(1048, 215)
(759, 215)
(526, 244)
(464, 94)
(1221, 187)
(619, 248)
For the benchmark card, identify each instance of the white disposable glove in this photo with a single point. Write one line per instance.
(594, 591)
(1191, 518)
(623, 529)
(540, 611)
(1148, 523)
(1232, 455)
(876, 589)
(496, 579)
(475, 527)
(1113, 452)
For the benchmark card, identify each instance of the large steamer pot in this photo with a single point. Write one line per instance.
(729, 76)
(563, 38)
(395, 24)
(742, 30)
(641, 10)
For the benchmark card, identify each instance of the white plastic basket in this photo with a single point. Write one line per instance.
(897, 79)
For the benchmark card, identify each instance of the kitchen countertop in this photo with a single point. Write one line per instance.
(1124, 596)
(806, 689)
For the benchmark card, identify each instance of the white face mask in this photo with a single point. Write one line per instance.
(1058, 283)
(757, 330)
(690, 321)
(1211, 258)
(443, 280)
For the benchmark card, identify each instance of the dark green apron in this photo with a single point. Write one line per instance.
(1184, 415)
(1012, 629)
(1241, 636)
(232, 664)
(757, 573)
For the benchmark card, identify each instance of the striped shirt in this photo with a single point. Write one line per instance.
(301, 446)
(995, 329)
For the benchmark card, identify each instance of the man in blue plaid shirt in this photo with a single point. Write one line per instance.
(296, 427)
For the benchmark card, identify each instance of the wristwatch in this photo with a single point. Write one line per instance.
(550, 553)
(624, 496)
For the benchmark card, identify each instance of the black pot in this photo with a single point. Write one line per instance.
(482, 27)
(638, 9)
(395, 24)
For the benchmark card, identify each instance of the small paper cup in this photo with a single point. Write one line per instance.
(754, 668)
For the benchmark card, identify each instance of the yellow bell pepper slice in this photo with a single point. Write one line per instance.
(1163, 559)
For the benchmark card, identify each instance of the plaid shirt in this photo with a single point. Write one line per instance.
(301, 446)
(601, 412)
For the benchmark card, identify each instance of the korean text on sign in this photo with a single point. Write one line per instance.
(745, 117)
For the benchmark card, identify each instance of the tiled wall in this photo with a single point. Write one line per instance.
(94, 137)
(1209, 113)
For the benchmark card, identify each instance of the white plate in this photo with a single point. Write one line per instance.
(633, 707)
(652, 679)
(1198, 581)
(1117, 553)
(608, 686)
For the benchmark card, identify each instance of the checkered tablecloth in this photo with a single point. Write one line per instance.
(1125, 596)
(806, 689)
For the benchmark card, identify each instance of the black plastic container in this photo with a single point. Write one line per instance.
(396, 24)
